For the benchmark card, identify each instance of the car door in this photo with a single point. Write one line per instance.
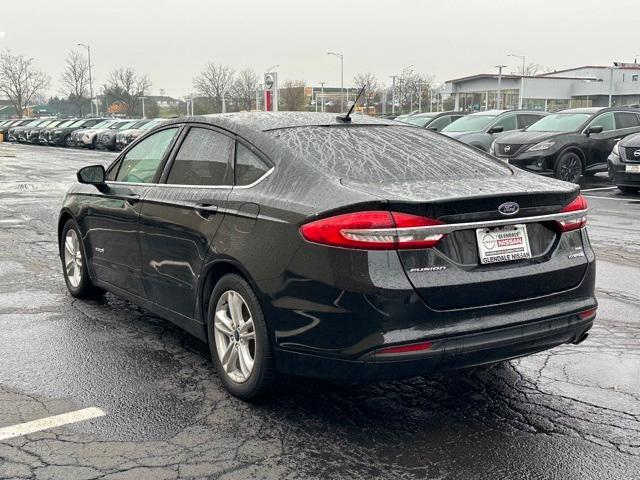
(111, 221)
(181, 215)
(599, 145)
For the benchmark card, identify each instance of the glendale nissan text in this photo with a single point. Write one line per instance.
(335, 247)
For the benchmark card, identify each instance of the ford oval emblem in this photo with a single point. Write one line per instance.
(509, 208)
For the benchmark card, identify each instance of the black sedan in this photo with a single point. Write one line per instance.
(570, 143)
(435, 121)
(624, 164)
(307, 244)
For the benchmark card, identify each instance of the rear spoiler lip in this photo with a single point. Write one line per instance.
(446, 228)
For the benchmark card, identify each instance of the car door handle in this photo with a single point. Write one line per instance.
(132, 199)
(206, 209)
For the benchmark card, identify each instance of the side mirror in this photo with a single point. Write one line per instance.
(594, 129)
(495, 129)
(92, 175)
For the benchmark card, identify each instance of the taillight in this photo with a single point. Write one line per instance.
(372, 230)
(579, 204)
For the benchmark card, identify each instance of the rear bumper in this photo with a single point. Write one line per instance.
(463, 351)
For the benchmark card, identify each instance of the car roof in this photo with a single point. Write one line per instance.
(594, 110)
(265, 121)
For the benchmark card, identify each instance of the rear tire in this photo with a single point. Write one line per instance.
(569, 167)
(239, 339)
(628, 189)
(74, 263)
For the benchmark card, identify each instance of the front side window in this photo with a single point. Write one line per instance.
(507, 123)
(249, 167)
(204, 158)
(525, 119)
(605, 121)
(141, 162)
(439, 123)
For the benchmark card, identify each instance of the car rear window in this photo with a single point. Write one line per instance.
(385, 153)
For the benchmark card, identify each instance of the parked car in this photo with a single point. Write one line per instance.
(435, 121)
(106, 139)
(479, 129)
(624, 164)
(61, 136)
(4, 128)
(300, 243)
(14, 131)
(87, 137)
(45, 133)
(570, 143)
(125, 137)
(32, 135)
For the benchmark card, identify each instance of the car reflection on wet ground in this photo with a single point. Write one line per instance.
(572, 412)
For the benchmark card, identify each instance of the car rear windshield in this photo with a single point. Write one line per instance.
(559, 122)
(420, 121)
(470, 123)
(387, 153)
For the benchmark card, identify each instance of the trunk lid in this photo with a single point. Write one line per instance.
(450, 275)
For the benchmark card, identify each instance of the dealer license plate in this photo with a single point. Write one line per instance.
(503, 244)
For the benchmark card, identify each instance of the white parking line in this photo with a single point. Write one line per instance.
(50, 422)
(599, 188)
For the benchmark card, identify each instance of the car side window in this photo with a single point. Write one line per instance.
(204, 158)
(249, 167)
(605, 121)
(507, 123)
(439, 123)
(527, 119)
(141, 163)
(626, 120)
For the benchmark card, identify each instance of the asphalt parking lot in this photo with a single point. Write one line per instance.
(570, 413)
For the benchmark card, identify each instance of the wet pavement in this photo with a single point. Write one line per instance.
(569, 413)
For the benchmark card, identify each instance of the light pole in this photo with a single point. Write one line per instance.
(322, 95)
(341, 56)
(143, 99)
(393, 94)
(90, 75)
(521, 57)
(499, 99)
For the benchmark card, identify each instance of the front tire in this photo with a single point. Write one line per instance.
(624, 189)
(74, 263)
(239, 340)
(569, 167)
(67, 141)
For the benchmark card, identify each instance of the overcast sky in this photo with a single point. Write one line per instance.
(172, 40)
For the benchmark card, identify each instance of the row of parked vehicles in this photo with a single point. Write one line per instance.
(566, 145)
(101, 133)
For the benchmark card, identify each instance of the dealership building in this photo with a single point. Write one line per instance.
(588, 86)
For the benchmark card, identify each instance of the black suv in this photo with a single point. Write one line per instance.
(624, 164)
(570, 143)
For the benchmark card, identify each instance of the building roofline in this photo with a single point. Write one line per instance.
(599, 67)
(514, 77)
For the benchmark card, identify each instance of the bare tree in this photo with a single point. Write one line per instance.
(215, 82)
(412, 89)
(371, 86)
(20, 80)
(75, 80)
(244, 88)
(292, 95)
(531, 69)
(126, 86)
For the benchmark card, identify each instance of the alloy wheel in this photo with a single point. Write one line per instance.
(570, 169)
(73, 258)
(235, 336)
